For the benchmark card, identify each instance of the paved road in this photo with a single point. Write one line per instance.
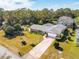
(6, 52)
(38, 51)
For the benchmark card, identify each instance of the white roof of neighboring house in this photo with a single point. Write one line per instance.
(65, 20)
(77, 35)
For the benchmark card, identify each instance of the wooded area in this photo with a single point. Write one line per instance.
(27, 16)
(12, 20)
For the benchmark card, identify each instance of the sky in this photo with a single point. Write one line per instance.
(39, 4)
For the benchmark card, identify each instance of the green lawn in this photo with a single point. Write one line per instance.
(15, 45)
(33, 38)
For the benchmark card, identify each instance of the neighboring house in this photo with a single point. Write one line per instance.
(77, 36)
(67, 21)
(48, 29)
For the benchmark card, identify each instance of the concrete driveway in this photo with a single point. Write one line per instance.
(39, 50)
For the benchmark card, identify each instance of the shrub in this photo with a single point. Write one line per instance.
(23, 43)
(33, 45)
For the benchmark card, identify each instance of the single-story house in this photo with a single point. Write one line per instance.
(51, 30)
(67, 21)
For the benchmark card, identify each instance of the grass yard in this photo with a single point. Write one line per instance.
(15, 45)
(70, 51)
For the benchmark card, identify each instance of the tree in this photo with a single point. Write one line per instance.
(75, 12)
(1, 21)
(68, 12)
(59, 12)
(9, 30)
(77, 20)
(12, 30)
(1, 16)
(25, 16)
(17, 27)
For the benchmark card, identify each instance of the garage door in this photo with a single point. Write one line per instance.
(52, 35)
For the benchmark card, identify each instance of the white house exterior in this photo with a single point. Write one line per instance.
(52, 35)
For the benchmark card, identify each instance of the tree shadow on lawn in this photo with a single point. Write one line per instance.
(14, 35)
(59, 48)
(62, 39)
(56, 45)
(9, 36)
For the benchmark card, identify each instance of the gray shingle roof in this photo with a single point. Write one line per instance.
(56, 29)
